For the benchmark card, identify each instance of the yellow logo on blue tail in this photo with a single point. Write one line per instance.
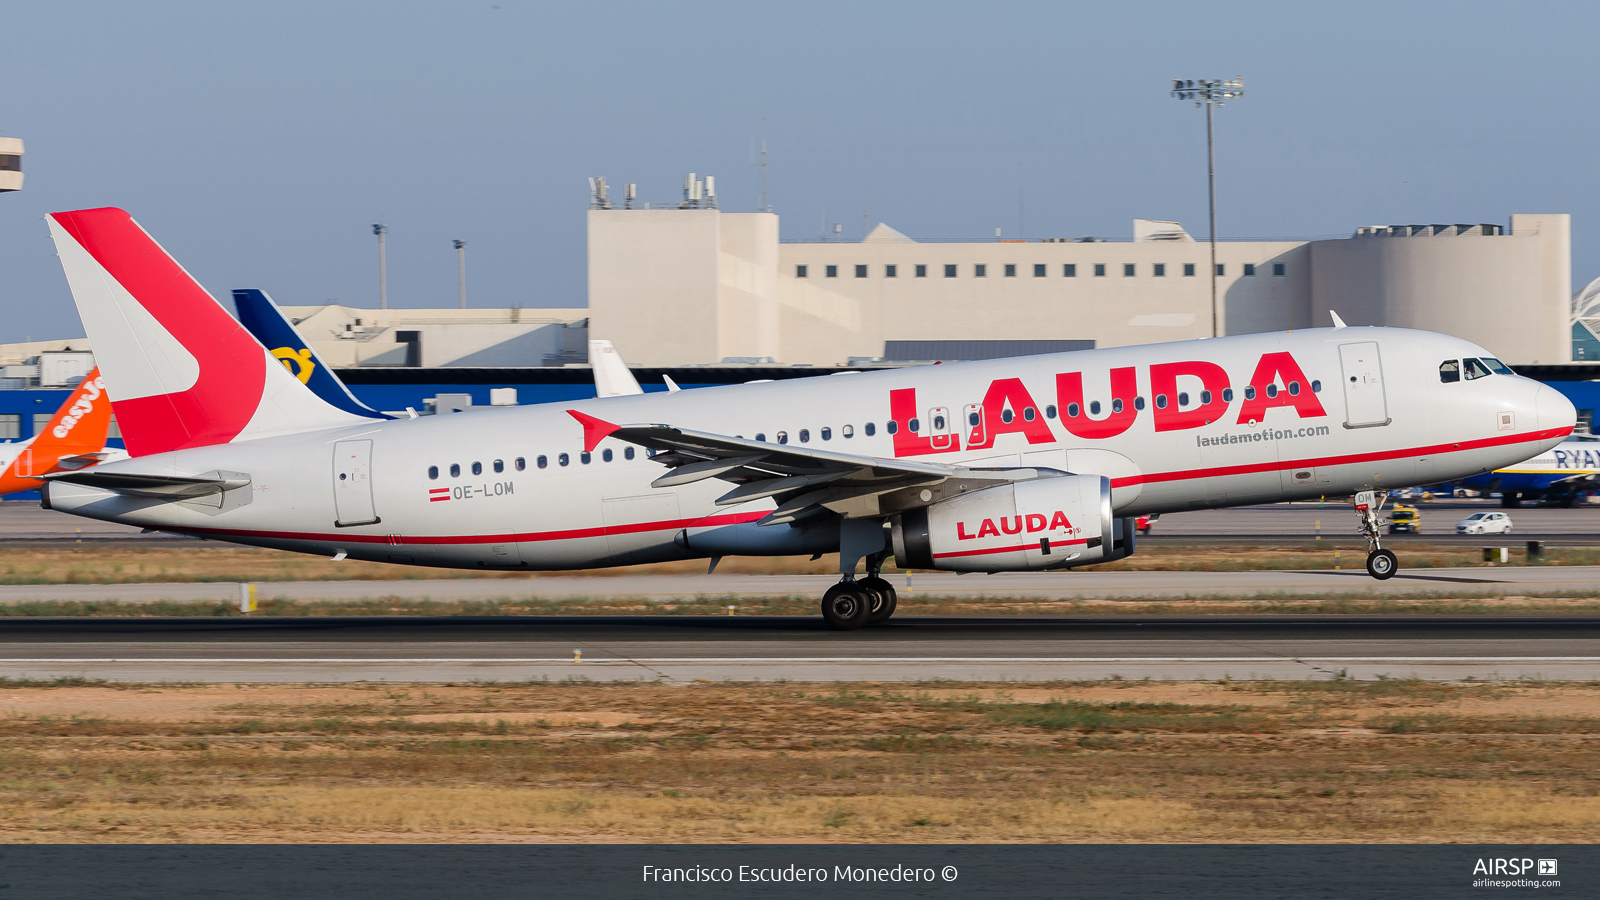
(298, 362)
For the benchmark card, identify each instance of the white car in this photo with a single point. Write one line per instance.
(1485, 523)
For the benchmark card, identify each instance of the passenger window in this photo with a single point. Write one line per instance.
(1028, 414)
(1227, 395)
(827, 434)
(891, 426)
(938, 423)
(1161, 401)
(1497, 367)
(1072, 410)
(1205, 398)
(1250, 392)
(1476, 369)
(915, 425)
(848, 431)
(1316, 387)
(805, 436)
(1094, 407)
(1294, 388)
(499, 465)
(605, 454)
(1116, 404)
(972, 419)
(541, 462)
(477, 468)
(761, 437)
(783, 437)
(586, 457)
(563, 459)
(455, 470)
(433, 473)
(627, 453)
(870, 429)
(1006, 416)
(1450, 371)
(1272, 390)
(1138, 403)
(1049, 412)
(1183, 400)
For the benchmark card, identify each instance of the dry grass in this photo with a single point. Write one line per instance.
(169, 561)
(1242, 762)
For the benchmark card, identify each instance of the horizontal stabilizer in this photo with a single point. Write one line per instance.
(157, 487)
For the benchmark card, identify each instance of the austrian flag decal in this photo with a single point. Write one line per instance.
(437, 494)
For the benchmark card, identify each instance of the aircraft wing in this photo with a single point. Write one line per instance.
(804, 481)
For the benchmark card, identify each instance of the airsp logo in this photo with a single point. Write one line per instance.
(1502, 866)
(298, 362)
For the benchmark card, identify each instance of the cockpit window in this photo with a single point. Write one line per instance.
(1476, 369)
(1497, 367)
(1450, 371)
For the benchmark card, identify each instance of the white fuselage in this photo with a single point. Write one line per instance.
(1394, 425)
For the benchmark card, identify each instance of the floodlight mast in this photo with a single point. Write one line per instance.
(1210, 92)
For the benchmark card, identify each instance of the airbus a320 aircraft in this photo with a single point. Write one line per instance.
(1039, 462)
(74, 438)
(1556, 477)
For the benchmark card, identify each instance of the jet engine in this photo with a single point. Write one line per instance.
(1043, 523)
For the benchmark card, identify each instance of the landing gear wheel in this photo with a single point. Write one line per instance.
(1381, 564)
(884, 598)
(847, 606)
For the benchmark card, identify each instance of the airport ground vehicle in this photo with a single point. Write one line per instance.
(1405, 520)
(1485, 523)
(1030, 463)
(1143, 523)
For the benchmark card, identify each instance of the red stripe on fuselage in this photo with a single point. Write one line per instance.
(1436, 449)
(530, 537)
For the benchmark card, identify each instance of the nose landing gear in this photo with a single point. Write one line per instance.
(1381, 563)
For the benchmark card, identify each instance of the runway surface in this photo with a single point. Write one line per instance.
(679, 650)
(1080, 584)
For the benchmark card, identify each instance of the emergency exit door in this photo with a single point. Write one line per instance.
(352, 483)
(1364, 401)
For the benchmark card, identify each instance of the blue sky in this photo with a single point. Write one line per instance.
(260, 142)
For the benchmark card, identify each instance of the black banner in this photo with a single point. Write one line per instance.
(1113, 872)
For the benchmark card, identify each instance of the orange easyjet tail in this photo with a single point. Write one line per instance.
(74, 438)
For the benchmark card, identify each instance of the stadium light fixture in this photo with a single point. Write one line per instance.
(1210, 93)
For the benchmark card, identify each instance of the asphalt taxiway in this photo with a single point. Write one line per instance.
(681, 650)
(1071, 584)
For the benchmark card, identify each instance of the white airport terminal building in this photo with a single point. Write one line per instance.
(698, 286)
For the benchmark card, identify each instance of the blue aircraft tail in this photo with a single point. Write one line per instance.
(263, 319)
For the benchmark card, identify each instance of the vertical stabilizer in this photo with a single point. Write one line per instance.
(611, 375)
(181, 371)
(266, 321)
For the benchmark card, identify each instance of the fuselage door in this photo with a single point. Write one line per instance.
(941, 431)
(352, 483)
(1364, 402)
(972, 420)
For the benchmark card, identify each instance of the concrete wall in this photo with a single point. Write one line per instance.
(1508, 293)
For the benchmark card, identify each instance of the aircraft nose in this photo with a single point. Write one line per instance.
(1555, 410)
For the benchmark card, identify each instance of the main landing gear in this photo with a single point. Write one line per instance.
(852, 604)
(1381, 563)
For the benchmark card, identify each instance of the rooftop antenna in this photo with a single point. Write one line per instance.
(628, 194)
(838, 229)
(598, 196)
(711, 192)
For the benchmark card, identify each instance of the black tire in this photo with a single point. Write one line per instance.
(884, 599)
(847, 606)
(1382, 564)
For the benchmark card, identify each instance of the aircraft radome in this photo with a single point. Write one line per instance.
(1030, 463)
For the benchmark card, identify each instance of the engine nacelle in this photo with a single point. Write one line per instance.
(1043, 523)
